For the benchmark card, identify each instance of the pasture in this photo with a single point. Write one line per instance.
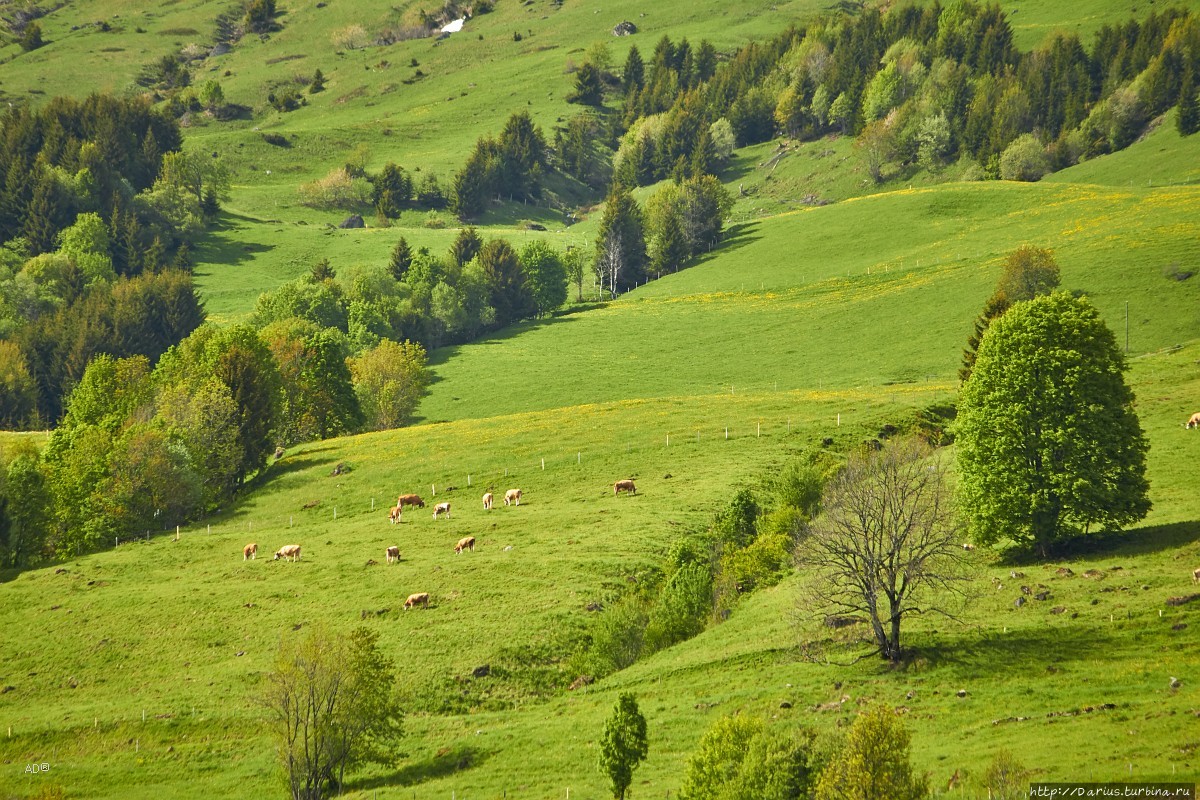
(138, 672)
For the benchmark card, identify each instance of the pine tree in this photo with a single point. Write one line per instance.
(402, 257)
(466, 246)
(589, 91)
(670, 248)
(40, 226)
(1188, 119)
(318, 83)
(634, 74)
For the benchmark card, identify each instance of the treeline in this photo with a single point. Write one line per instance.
(145, 447)
(917, 84)
(434, 300)
(99, 209)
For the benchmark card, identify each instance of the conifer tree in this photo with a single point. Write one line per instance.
(1188, 119)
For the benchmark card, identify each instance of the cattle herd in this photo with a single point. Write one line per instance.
(291, 552)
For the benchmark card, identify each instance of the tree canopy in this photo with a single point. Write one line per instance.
(1049, 443)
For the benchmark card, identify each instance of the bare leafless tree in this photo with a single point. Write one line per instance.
(887, 543)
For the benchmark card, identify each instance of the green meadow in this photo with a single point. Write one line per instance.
(139, 672)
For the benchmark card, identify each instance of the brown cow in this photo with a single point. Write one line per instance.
(1194, 420)
(1196, 576)
(624, 486)
(410, 500)
(393, 554)
(487, 501)
(417, 599)
(289, 551)
(394, 514)
(249, 551)
(512, 497)
(465, 543)
(441, 508)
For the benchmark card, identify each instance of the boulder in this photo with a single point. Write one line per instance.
(625, 28)
(353, 221)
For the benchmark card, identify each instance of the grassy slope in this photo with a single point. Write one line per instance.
(609, 385)
(82, 678)
(471, 85)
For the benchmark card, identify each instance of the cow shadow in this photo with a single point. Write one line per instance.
(444, 764)
(1130, 543)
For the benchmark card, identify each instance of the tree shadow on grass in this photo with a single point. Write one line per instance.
(1130, 543)
(217, 246)
(987, 652)
(447, 762)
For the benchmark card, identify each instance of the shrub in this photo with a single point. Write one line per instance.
(617, 636)
(336, 190)
(1024, 160)
(683, 605)
(735, 524)
(352, 37)
(739, 758)
(277, 139)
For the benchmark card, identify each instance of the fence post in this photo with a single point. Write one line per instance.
(335, 512)
(839, 422)
(543, 465)
(433, 488)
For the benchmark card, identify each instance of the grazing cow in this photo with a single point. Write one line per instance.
(410, 500)
(624, 486)
(394, 514)
(1196, 576)
(512, 497)
(487, 501)
(968, 546)
(249, 551)
(393, 554)
(465, 543)
(418, 599)
(1194, 420)
(289, 551)
(441, 508)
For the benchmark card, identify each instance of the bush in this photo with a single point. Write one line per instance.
(352, 37)
(735, 523)
(284, 100)
(683, 605)
(336, 190)
(617, 637)
(1024, 160)
(739, 758)
(31, 38)
(277, 139)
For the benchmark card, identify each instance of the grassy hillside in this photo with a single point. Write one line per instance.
(186, 630)
(139, 672)
(871, 293)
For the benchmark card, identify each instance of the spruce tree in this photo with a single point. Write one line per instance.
(634, 74)
(401, 259)
(1188, 119)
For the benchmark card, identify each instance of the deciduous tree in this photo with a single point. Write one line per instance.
(885, 543)
(874, 762)
(623, 745)
(331, 707)
(389, 381)
(1049, 444)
